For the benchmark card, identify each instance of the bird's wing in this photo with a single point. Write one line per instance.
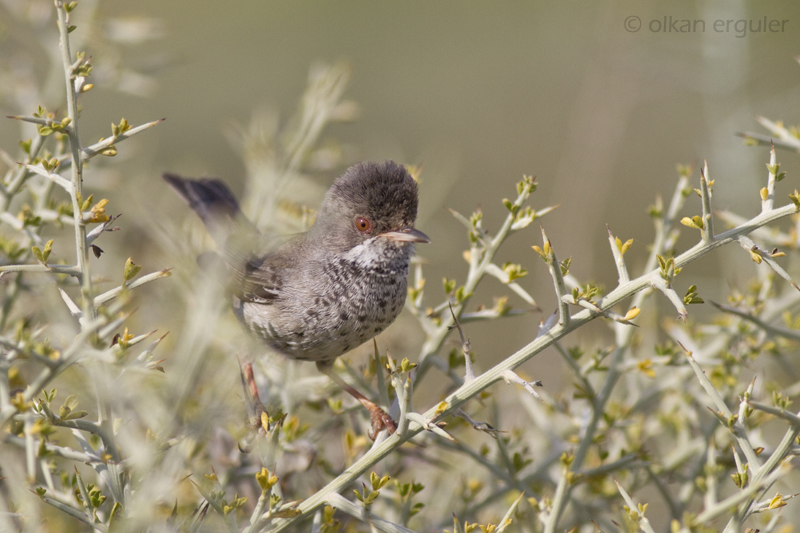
(261, 278)
(260, 281)
(250, 278)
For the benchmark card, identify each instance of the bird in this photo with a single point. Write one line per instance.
(321, 293)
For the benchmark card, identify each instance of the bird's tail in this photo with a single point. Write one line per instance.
(236, 237)
(216, 206)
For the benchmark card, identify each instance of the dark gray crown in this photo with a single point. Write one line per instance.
(384, 192)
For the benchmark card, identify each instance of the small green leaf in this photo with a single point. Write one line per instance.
(740, 480)
(378, 482)
(461, 294)
(87, 203)
(50, 165)
(119, 129)
(510, 205)
(565, 266)
(111, 151)
(694, 222)
(83, 70)
(623, 247)
(69, 406)
(514, 271)
(406, 365)
(328, 515)
(449, 286)
(657, 209)
(46, 252)
(123, 125)
(475, 218)
(131, 270)
(116, 515)
(26, 146)
(402, 488)
(782, 402)
(266, 480)
(692, 297)
(75, 415)
(37, 253)
(567, 458)
(795, 198)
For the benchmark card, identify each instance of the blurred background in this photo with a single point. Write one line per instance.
(597, 99)
(477, 93)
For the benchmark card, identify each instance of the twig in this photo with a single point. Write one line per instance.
(52, 176)
(82, 251)
(549, 256)
(735, 425)
(705, 196)
(72, 270)
(618, 250)
(769, 328)
(113, 293)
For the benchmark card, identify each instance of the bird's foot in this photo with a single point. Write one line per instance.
(377, 416)
(380, 420)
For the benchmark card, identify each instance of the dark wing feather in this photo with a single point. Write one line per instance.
(262, 278)
(215, 204)
(260, 282)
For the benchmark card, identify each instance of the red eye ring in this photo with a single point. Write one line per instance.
(363, 225)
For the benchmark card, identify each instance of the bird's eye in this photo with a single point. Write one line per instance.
(363, 225)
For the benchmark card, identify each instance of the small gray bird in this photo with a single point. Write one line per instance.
(327, 291)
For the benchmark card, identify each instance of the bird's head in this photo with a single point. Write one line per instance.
(371, 204)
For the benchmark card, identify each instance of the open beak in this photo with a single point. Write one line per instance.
(408, 234)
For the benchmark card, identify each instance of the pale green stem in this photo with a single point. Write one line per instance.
(82, 251)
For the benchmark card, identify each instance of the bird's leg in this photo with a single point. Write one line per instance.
(377, 416)
(252, 400)
(255, 409)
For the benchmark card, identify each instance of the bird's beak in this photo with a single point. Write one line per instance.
(408, 234)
